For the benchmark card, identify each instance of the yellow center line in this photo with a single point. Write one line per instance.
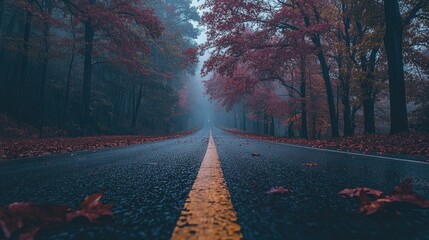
(208, 212)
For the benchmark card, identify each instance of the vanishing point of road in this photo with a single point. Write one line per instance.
(208, 186)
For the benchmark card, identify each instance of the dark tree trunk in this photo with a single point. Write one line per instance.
(272, 130)
(331, 103)
(87, 72)
(66, 100)
(290, 131)
(42, 96)
(1, 12)
(24, 62)
(348, 129)
(393, 46)
(353, 118)
(266, 124)
(326, 78)
(368, 91)
(69, 74)
(369, 118)
(244, 119)
(138, 103)
(44, 77)
(345, 95)
(7, 31)
(303, 90)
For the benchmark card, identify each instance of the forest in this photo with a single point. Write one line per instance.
(296, 68)
(73, 68)
(317, 69)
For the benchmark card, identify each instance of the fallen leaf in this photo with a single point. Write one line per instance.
(356, 192)
(310, 164)
(403, 193)
(26, 219)
(91, 208)
(279, 190)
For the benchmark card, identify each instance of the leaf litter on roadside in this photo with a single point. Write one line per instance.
(24, 220)
(372, 201)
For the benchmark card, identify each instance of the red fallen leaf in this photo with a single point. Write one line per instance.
(310, 164)
(279, 190)
(403, 193)
(256, 154)
(356, 192)
(91, 208)
(370, 207)
(26, 219)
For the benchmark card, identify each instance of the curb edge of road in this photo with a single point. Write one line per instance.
(84, 151)
(338, 151)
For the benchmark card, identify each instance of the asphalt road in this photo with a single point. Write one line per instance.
(149, 183)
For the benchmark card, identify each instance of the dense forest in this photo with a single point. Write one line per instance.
(320, 68)
(298, 68)
(73, 67)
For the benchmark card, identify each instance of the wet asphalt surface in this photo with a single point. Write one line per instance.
(148, 185)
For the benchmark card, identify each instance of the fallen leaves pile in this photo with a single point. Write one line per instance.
(372, 201)
(31, 147)
(25, 220)
(413, 144)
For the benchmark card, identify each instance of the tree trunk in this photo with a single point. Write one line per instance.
(8, 31)
(369, 118)
(69, 74)
(353, 118)
(44, 78)
(327, 80)
(244, 119)
(348, 130)
(368, 91)
(272, 130)
(1, 13)
(303, 90)
(266, 124)
(24, 62)
(42, 96)
(393, 46)
(138, 103)
(87, 72)
(290, 131)
(331, 103)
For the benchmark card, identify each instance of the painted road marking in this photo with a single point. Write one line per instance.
(337, 151)
(208, 212)
(355, 154)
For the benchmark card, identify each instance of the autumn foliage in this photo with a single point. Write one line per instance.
(321, 65)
